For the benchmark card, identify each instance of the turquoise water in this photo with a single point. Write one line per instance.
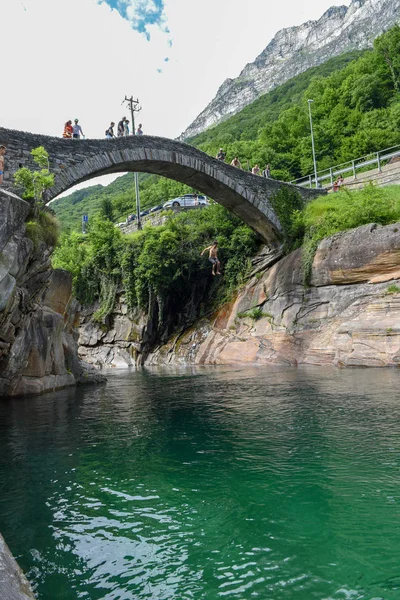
(207, 483)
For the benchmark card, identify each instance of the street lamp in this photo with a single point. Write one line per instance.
(312, 142)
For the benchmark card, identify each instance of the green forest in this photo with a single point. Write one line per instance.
(356, 110)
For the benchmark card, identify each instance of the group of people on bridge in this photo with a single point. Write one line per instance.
(74, 132)
(123, 129)
(266, 172)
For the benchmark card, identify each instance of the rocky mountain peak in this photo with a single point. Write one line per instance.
(294, 50)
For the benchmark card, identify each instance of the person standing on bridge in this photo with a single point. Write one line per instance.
(221, 155)
(236, 163)
(126, 127)
(3, 150)
(213, 258)
(110, 131)
(68, 130)
(139, 130)
(267, 172)
(77, 130)
(256, 170)
(121, 127)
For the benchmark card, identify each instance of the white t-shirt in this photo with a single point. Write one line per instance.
(76, 129)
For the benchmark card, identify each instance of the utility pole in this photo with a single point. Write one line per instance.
(312, 142)
(135, 107)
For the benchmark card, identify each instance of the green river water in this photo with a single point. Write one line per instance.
(207, 483)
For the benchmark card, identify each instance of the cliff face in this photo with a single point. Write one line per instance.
(38, 314)
(348, 316)
(296, 49)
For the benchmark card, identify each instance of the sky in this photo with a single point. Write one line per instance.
(66, 59)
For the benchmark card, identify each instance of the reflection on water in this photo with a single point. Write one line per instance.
(207, 483)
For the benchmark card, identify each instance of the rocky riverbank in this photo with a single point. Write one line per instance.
(38, 313)
(349, 314)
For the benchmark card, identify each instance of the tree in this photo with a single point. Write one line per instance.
(388, 47)
(107, 209)
(34, 183)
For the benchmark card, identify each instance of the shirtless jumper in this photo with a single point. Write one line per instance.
(213, 258)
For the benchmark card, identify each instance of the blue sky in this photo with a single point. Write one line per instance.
(141, 13)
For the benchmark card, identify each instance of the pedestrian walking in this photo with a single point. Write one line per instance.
(126, 127)
(139, 130)
(256, 170)
(110, 131)
(77, 130)
(68, 130)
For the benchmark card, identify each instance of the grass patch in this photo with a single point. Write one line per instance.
(393, 289)
(43, 229)
(255, 313)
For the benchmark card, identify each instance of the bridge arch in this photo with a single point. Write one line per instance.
(73, 162)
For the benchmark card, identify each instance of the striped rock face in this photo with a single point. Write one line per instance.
(74, 161)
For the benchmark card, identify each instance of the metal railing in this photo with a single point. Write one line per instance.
(326, 177)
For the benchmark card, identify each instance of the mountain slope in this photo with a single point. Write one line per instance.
(296, 49)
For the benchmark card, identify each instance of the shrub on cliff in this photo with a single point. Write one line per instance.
(159, 263)
(34, 183)
(45, 228)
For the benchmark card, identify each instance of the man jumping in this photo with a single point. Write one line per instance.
(213, 258)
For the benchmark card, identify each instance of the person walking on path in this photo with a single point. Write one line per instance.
(213, 258)
(267, 172)
(3, 150)
(110, 131)
(256, 170)
(221, 155)
(126, 127)
(121, 127)
(77, 130)
(236, 163)
(139, 130)
(68, 130)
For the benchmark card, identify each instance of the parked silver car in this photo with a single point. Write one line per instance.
(187, 201)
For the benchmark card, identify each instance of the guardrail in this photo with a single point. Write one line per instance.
(352, 166)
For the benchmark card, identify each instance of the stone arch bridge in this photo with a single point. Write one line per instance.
(73, 162)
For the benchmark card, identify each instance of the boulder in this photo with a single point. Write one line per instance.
(367, 254)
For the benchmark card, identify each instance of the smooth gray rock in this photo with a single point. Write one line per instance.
(13, 212)
(7, 286)
(13, 583)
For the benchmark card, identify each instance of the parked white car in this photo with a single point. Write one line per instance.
(187, 201)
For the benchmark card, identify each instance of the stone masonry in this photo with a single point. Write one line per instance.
(247, 196)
